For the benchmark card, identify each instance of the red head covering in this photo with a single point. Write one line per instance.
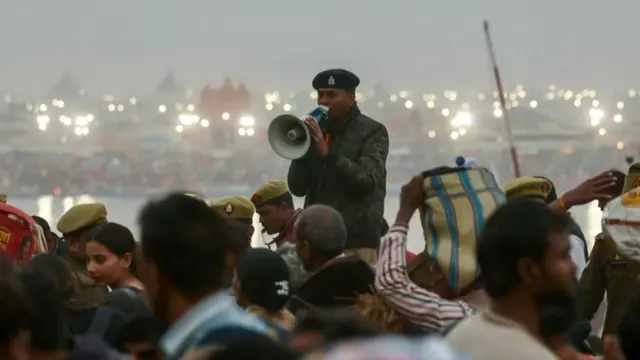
(20, 236)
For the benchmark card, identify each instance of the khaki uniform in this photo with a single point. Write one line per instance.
(607, 271)
(74, 223)
(90, 292)
(276, 192)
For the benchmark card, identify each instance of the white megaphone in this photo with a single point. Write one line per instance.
(289, 136)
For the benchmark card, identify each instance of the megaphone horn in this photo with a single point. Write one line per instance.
(289, 136)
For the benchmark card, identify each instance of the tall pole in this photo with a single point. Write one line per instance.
(503, 104)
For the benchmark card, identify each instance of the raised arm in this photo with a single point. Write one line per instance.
(422, 307)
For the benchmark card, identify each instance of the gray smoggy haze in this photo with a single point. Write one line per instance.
(123, 46)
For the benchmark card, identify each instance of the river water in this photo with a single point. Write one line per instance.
(125, 211)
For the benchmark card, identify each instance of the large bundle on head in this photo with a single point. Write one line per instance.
(457, 203)
(386, 318)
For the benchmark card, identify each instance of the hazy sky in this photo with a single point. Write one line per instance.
(127, 45)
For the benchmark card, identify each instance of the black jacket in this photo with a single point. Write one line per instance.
(351, 178)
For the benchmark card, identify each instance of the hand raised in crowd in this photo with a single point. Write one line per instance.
(317, 137)
(594, 188)
(411, 197)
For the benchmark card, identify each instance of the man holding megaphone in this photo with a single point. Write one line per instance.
(345, 165)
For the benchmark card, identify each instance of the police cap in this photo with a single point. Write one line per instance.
(235, 207)
(81, 216)
(270, 192)
(532, 187)
(336, 79)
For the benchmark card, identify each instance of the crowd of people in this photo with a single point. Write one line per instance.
(127, 173)
(192, 288)
(505, 273)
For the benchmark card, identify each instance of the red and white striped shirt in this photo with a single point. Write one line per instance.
(423, 308)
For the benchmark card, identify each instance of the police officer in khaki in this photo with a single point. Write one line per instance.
(274, 205)
(240, 211)
(238, 208)
(610, 272)
(76, 226)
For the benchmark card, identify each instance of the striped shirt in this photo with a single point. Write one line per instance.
(425, 309)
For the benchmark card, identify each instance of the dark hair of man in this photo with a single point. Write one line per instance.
(517, 230)
(46, 228)
(256, 349)
(237, 241)
(334, 325)
(14, 310)
(629, 331)
(324, 229)
(46, 294)
(186, 240)
(59, 269)
(138, 329)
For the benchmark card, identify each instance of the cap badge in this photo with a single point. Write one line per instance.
(228, 209)
(331, 81)
(546, 187)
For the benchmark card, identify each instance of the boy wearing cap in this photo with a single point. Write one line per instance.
(262, 284)
(77, 226)
(274, 205)
(346, 167)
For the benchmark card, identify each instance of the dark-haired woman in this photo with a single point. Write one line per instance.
(112, 262)
(262, 286)
(50, 280)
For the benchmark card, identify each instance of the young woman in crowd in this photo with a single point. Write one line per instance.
(112, 262)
